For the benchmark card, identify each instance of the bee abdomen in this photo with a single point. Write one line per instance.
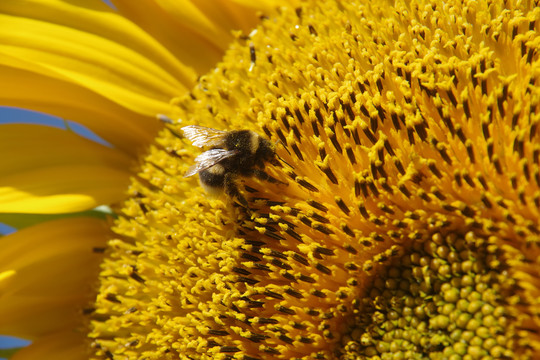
(212, 179)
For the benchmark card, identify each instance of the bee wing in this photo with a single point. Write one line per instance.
(201, 136)
(208, 159)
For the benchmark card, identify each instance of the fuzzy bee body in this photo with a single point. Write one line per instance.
(231, 154)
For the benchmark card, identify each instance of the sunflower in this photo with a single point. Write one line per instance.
(404, 223)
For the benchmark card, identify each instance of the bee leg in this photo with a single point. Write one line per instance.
(231, 189)
(260, 174)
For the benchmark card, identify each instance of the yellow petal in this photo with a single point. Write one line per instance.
(95, 48)
(21, 221)
(51, 170)
(124, 129)
(48, 272)
(66, 345)
(192, 38)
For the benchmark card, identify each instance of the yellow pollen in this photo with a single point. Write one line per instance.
(406, 221)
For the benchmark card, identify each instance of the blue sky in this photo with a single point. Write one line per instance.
(11, 342)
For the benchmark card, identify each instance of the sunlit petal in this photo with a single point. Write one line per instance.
(24, 220)
(53, 171)
(95, 48)
(48, 282)
(124, 129)
(197, 32)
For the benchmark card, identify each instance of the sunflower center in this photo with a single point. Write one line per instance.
(405, 215)
(446, 297)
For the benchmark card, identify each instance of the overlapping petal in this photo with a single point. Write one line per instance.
(93, 47)
(45, 284)
(50, 170)
(196, 32)
(126, 130)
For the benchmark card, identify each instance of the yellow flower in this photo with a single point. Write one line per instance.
(406, 221)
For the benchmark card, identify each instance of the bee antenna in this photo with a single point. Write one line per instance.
(279, 157)
(168, 121)
(281, 142)
(164, 118)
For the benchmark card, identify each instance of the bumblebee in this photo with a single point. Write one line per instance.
(230, 154)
